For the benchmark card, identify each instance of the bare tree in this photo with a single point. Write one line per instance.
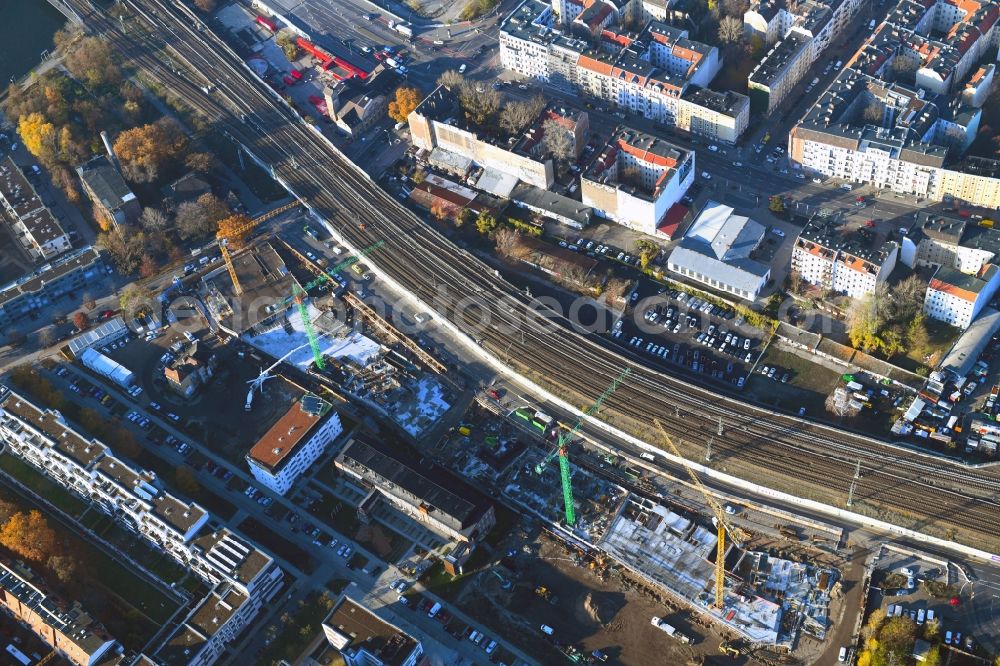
(557, 140)
(450, 79)
(515, 117)
(730, 30)
(904, 69)
(873, 112)
(153, 219)
(479, 106)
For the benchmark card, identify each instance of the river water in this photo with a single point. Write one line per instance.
(26, 29)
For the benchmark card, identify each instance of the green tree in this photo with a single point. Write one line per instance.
(776, 204)
(486, 223)
(286, 40)
(648, 250)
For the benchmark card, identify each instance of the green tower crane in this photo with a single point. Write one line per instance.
(562, 449)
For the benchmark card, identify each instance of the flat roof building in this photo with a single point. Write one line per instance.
(66, 628)
(30, 293)
(364, 639)
(636, 179)
(294, 443)
(33, 224)
(433, 497)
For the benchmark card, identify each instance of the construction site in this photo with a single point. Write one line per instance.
(283, 304)
(614, 519)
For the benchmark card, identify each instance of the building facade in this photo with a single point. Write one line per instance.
(34, 226)
(436, 499)
(68, 629)
(636, 179)
(872, 126)
(851, 263)
(294, 443)
(658, 73)
(957, 298)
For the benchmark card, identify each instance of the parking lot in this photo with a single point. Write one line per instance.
(908, 586)
(673, 328)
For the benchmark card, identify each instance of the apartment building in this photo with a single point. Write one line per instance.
(67, 628)
(107, 190)
(294, 443)
(846, 261)
(636, 179)
(34, 291)
(717, 251)
(957, 298)
(937, 240)
(868, 127)
(658, 72)
(777, 74)
(242, 577)
(438, 124)
(438, 500)
(35, 228)
(818, 22)
(364, 639)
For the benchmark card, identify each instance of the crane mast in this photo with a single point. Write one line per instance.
(721, 524)
(562, 450)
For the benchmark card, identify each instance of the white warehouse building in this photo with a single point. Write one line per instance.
(294, 443)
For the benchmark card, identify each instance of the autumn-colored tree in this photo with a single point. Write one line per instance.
(205, 5)
(486, 223)
(93, 62)
(29, 536)
(39, 137)
(125, 249)
(148, 151)
(406, 100)
(63, 566)
(776, 204)
(153, 219)
(440, 211)
(450, 79)
(7, 509)
(200, 162)
(81, 320)
(133, 299)
(185, 481)
(285, 39)
(148, 266)
(235, 229)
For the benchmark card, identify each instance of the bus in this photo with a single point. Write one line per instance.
(17, 654)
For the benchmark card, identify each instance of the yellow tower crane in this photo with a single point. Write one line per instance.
(720, 519)
(234, 229)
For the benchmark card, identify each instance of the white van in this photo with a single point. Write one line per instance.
(548, 631)
(842, 657)
(435, 609)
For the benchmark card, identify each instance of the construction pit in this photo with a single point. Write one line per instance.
(363, 356)
(481, 447)
(535, 485)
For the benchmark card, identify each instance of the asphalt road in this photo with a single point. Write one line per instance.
(420, 260)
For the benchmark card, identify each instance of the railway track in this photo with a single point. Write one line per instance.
(454, 281)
